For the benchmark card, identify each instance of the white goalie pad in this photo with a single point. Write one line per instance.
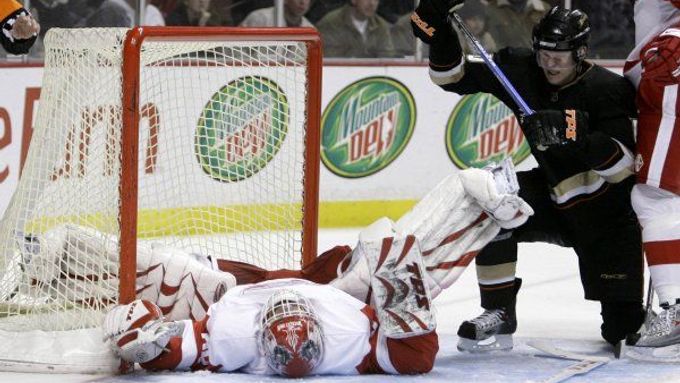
(181, 283)
(44, 270)
(388, 273)
(356, 279)
(451, 225)
(399, 293)
(184, 285)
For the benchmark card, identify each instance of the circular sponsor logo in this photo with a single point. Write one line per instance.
(481, 129)
(241, 128)
(366, 126)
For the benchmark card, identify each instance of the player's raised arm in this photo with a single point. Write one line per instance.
(448, 65)
(19, 28)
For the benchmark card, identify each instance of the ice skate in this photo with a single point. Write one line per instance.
(492, 330)
(663, 330)
(657, 341)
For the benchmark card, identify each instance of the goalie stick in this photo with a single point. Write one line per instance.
(585, 363)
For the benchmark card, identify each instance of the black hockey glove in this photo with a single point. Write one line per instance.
(546, 128)
(429, 20)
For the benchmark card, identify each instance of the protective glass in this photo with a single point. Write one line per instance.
(555, 59)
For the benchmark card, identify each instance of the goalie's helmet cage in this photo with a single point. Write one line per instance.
(291, 335)
(563, 29)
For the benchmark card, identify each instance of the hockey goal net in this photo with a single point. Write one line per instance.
(200, 139)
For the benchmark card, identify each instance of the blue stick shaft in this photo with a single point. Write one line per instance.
(523, 106)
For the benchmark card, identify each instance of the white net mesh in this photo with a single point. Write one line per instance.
(221, 167)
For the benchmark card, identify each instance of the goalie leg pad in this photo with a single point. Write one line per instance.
(180, 284)
(451, 227)
(400, 295)
(41, 254)
(356, 279)
(83, 260)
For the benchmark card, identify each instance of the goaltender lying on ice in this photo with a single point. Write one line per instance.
(351, 311)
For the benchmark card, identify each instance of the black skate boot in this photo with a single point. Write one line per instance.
(493, 329)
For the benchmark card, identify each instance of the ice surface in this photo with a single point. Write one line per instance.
(550, 306)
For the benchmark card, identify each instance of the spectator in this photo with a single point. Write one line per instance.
(402, 37)
(190, 12)
(510, 22)
(356, 30)
(612, 27)
(242, 8)
(165, 6)
(320, 8)
(108, 13)
(293, 13)
(474, 17)
(221, 11)
(153, 16)
(57, 13)
(393, 10)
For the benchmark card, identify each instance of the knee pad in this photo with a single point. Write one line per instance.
(620, 319)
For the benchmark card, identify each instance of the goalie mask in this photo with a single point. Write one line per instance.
(291, 336)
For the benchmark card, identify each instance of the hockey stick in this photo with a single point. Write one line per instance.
(578, 368)
(507, 85)
(649, 313)
(631, 339)
(584, 364)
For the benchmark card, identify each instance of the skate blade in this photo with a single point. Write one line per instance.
(666, 354)
(493, 343)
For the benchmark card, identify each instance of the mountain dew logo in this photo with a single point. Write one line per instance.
(481, 129)
(241, 128)
(366, 126)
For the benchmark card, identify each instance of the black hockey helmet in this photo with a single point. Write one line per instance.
(563, 29)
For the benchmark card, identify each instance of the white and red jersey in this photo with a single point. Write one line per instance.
(656, 199)
(658, 132)
(227, 339)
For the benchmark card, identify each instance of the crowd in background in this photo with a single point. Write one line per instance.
(349, 28)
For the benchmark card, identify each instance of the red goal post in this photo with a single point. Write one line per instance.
(131, 115)
(200, 139)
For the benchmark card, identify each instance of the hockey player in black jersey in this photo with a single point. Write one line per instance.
(582, 138)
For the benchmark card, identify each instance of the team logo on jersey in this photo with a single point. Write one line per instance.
(241, 128)
(366, 126)
(480, 130)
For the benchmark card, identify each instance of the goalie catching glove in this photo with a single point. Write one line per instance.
(137, 332)
(546, 128)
